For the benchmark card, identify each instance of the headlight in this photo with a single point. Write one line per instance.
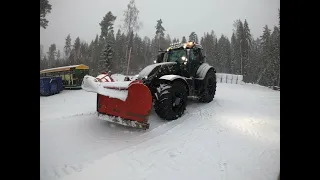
(154, 61)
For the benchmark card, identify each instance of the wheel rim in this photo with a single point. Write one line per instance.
(177, 102)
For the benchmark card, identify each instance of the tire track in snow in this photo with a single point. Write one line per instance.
(191, 129)
(60, 171)
(187, 118)
(223, 169)
(206, 113)
(221, 128)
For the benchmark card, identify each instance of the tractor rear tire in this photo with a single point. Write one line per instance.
(209, 85)
(171, 100)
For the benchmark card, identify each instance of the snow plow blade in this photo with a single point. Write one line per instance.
(127, 103)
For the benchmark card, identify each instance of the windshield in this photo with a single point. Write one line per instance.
(175, 55)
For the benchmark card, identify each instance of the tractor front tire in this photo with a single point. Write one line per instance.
(209, 85)
(171, 100)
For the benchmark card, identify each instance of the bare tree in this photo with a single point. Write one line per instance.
(131, 24)
(131, 18)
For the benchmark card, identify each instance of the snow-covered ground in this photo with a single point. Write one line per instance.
(235, 137)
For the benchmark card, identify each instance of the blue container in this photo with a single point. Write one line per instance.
(60, 85)
(50, 85)
(45, 86)
(54, 86)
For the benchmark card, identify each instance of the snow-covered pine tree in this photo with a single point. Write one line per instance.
(275, 56)
(118, 52)
(106, 59)
(44, 62)
(255, 60)
(209, 47)
(159, 37)
(106, 24)
(147, 51)
(234, 57)
(264, 76)
(124, 51)
(76, 47)
(45, 8)
(167, 41)
(67, 46)
(225, 54)
(52, 55)
(84, 54)
(95, 56)
(247, 43)
(58, 60)
(174, 40)
(90, 53)
(279, 50)
(241, 43)
(136, 54)
(193, 37)
(106, 55)
(184, 40)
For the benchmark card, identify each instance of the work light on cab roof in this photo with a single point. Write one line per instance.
(189, 45)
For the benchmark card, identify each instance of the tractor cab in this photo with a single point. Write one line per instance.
(187, 55)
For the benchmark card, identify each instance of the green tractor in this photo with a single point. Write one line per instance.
(179, 72)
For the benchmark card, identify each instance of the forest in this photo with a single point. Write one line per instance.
(258, 60)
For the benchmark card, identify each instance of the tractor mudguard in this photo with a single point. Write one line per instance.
(176, 77)
(203, 69)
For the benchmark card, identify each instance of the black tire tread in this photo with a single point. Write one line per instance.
(204, 96)
(163, 103)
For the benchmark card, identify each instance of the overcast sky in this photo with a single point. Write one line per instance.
(180, 17)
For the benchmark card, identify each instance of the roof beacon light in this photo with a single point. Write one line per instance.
(190, 44)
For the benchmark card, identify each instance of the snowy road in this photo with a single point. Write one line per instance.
(235, 137)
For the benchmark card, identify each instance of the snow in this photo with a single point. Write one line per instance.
(119, 120)
(171, 77)
(90, 84)
(104, 78)
(132, 78)
(235, 137)
(119, 84)
(62, 105)
(118, 77)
